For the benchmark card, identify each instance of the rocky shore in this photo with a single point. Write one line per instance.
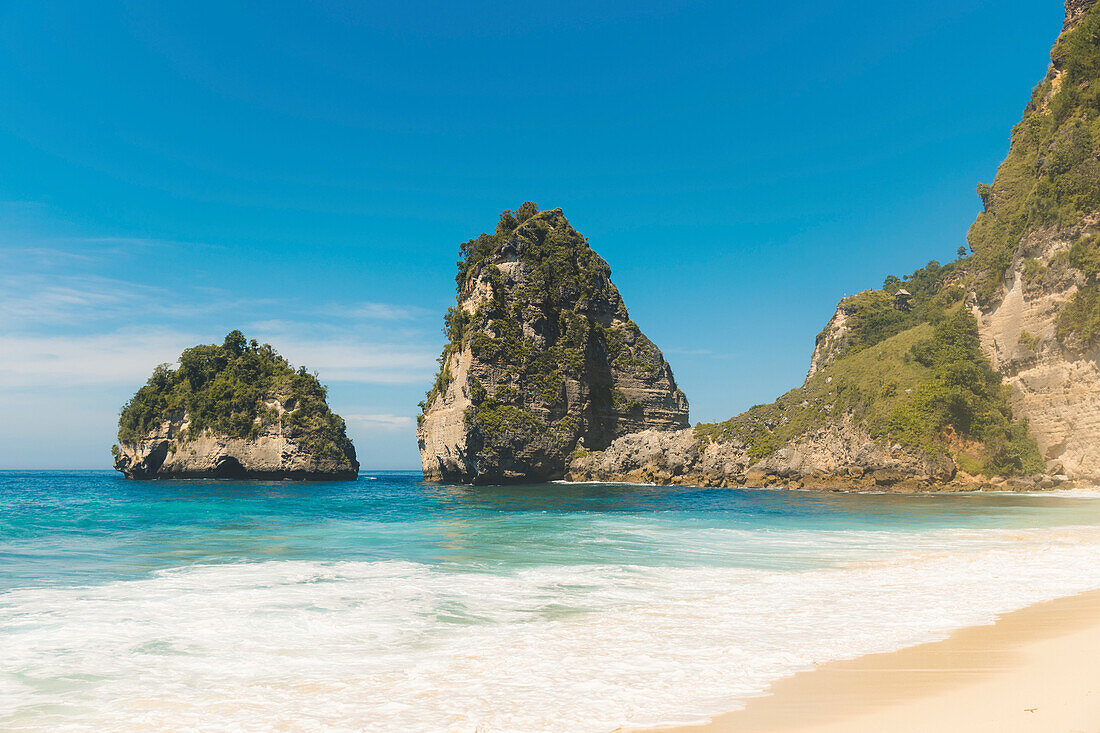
(839, 457)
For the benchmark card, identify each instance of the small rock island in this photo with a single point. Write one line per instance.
(542, 359)
(237, 411)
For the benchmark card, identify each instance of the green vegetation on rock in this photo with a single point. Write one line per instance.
(548, 356)
(1051, 175)
(1080, 317)
(566, 286)
(1085, 256)
(963, 396)
(920, 388)
(1079, 321)
(225, 390)
(874, 315)
(870, 384)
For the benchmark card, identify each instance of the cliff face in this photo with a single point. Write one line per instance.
(542, 359)
(981, 372)
(232, 411)
(1053, 373)
(1039, 297)
(165, 452)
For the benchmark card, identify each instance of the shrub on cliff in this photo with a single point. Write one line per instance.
(1079, 321)
(564, 276)
(919, 388)
(224, 390)
(1051, 175)
(873, 315)
(963, 395)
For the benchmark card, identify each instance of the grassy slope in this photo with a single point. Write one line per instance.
(872, 383)
(929, 388)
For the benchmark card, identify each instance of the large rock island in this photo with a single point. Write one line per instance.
(981, 372)
(233, 411)
(542, 359)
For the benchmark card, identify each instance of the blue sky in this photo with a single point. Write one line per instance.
(307, 171)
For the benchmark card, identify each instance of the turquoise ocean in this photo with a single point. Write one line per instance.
(391, 604)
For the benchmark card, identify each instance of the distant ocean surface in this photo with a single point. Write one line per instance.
(390, 604)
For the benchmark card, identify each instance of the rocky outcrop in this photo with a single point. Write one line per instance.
(164, 453)
(839, 456)
(1075, 10)
(1041, 233)
(1055, 381)
(830, 341)
(238, 410)
(542, 359)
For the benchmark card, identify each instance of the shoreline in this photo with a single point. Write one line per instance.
(1033, 669)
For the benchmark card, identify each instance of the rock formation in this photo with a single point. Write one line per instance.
(839, 455)
(1053, 373)
(1039, 309)
(233, 411)
(981, 372)
(542, 359)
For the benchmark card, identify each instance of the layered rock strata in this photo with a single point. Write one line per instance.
(1055, 382)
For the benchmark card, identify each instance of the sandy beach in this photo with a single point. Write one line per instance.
(1036, 669)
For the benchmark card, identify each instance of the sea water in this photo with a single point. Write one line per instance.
(391, 604)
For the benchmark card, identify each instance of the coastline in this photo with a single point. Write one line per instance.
(1034, 669)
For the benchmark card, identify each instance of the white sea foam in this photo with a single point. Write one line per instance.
(395, 645)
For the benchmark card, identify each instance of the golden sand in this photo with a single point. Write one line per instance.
(1035, 670)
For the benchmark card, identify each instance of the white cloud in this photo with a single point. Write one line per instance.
(36, 299)
(122, 357)
(371, 311)
(128, 357)
(344, 359)
(384, 422)
(348, 354)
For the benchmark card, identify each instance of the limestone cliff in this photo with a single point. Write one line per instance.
(1053, 372)
(233, 411)
(542, 359)
(984, 371)
(1038, 240)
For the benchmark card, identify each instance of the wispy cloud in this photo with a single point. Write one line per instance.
(47, 256)
(32, 300)
(382, 422)
(128, 357)
(123, 357)
(371, 311)
(65, 321)
(35, 299)
(348, 360)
